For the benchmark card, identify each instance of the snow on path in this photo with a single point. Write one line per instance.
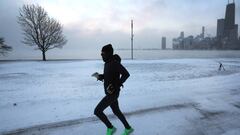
(61, 91)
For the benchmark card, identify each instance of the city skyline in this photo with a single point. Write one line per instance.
(88, 25)
(225, 39)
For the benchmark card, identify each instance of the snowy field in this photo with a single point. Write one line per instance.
(161, 97)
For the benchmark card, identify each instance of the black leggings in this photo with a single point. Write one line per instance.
(112, 101)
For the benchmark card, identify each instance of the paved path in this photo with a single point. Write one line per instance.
(178, 119)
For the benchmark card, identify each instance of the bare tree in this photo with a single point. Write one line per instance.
(40, 30)
(3, 47)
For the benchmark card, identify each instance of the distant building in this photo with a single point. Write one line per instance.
(220, 28)
(164, 43)
(188, 43)
(203, 32)
(178, 43)
(230, 28)
(182, 34)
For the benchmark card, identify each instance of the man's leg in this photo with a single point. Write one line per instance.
(102, 105)
(116, 110)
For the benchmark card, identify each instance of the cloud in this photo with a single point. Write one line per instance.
(89, 24)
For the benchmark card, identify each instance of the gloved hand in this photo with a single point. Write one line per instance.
(100, 77)
(120, 84)
(110, 89)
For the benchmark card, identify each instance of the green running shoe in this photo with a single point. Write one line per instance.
(127, 131)
(111, 131)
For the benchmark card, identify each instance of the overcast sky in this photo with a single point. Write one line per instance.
(89, 24)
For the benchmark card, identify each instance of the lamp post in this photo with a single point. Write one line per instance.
(132, 39)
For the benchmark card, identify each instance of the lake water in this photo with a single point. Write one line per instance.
(172, 54)
(126, 54)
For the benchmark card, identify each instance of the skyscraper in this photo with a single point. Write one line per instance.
(163, 43)
(230, 16)
(220, 28)
(230, 28)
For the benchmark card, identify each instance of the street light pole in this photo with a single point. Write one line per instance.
(132, 39)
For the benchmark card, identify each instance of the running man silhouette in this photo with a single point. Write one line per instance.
(114, 75)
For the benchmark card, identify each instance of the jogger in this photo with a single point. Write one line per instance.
(114, 75)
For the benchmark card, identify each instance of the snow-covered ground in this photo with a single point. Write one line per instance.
(171, 97)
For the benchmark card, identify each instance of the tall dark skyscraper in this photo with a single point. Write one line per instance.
(226, 28)
(230, 16)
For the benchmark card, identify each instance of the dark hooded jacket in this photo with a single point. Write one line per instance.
(114, 73)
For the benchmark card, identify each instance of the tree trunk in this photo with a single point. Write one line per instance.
(44, 56)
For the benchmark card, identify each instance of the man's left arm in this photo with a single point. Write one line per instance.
(124, 74)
